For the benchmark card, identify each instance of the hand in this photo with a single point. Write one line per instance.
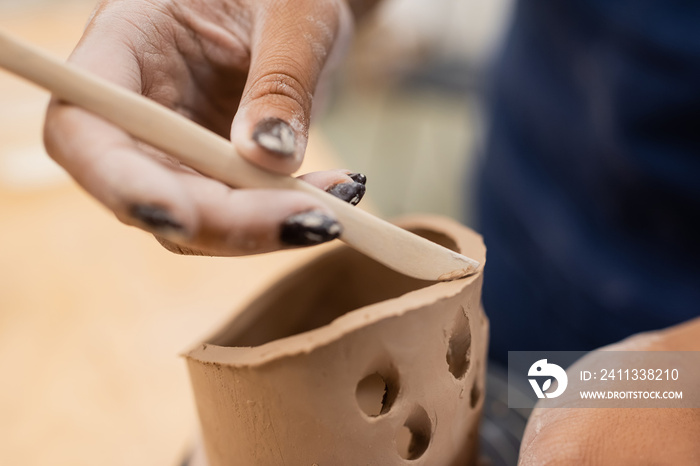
(245, 69)
(619, 436)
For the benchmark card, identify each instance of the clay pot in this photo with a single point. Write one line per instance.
(345, 362)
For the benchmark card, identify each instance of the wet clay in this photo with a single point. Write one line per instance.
(346, 362)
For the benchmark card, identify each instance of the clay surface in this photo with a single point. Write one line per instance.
(345, 362)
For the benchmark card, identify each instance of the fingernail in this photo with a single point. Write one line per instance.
(349, 192)
(358, 178)
(309, 228)
(156, 218)
(275, 135)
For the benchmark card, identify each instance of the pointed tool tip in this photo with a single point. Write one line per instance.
(457, 274)
(470, 267)
(466, 268)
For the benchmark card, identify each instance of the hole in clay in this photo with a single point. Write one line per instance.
(474, 395)
(413, 438)
(371, 394)
(377, 392)
(459, 346)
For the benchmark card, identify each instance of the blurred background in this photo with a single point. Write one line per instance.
(93, 314)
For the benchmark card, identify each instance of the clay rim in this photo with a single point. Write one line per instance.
(468, 242)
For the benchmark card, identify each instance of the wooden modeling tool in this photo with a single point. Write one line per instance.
(216, 157)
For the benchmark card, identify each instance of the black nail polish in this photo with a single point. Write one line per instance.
(156, 218)
(276, 136)
(349, 192)
(358, 178)
(309, 228)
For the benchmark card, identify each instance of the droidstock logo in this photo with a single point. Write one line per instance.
(543, 369)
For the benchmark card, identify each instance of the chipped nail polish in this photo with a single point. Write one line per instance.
(276, 136)
(156, 218)
(349, 192)
(309, 228)
(358, 178)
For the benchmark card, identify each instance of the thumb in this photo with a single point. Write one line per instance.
(290, 46)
